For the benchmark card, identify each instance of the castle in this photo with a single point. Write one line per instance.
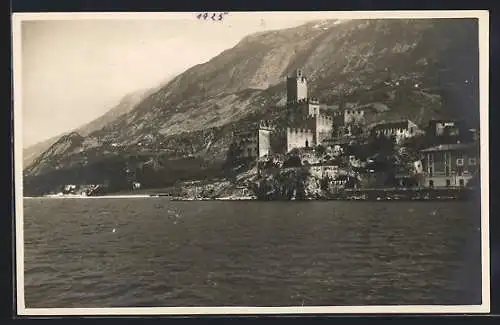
(308, 123)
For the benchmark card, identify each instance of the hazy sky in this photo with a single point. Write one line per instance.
(76, 70)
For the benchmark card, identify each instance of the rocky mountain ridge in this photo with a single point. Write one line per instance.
(416, 69)
(125, 105)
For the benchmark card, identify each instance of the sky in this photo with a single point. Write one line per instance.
(74, 70)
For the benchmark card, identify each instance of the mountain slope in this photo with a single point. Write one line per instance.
(414, 69)
(126, 104)
(32, 152)
(351, 57)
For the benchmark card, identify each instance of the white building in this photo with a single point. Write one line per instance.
(401, 130)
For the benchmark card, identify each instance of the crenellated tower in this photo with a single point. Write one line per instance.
(307, 125)
(296, 87)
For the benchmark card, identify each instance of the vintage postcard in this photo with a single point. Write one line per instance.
(251, 162)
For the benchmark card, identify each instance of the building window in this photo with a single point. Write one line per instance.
(447, 163)
(448, 182)
(460, 162)
(430, 163)
(461, 182)
(307, 143)
(472, 161)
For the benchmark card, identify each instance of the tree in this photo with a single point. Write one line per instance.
(382, 145)
(232, 154)
(325, 181)
(352, 182)
(320, 149)
(293, 161)
(356, 130)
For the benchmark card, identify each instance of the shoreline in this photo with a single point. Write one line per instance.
(132, 196)
(369, 194)
(250, 200)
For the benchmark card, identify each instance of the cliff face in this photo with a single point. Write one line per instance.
(414, 69)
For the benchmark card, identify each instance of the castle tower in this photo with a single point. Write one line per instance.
(296, 87)
(264, 138)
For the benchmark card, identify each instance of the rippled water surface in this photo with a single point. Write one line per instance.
(155, 252)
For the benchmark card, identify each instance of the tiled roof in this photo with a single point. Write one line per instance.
(391, 124)
(451, 147)
(446, 121)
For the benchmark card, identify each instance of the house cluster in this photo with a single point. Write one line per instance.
(451, 161)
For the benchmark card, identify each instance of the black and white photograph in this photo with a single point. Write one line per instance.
(251, 162)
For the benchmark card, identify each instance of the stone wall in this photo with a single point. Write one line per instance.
(353, 116)
(299, 138)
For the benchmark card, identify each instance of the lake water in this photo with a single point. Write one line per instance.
(154, 252)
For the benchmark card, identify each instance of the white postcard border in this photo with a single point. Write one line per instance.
(483, 20)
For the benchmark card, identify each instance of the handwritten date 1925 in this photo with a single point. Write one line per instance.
(215, 16)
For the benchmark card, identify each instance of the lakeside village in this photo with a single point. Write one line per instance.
(321, 151)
